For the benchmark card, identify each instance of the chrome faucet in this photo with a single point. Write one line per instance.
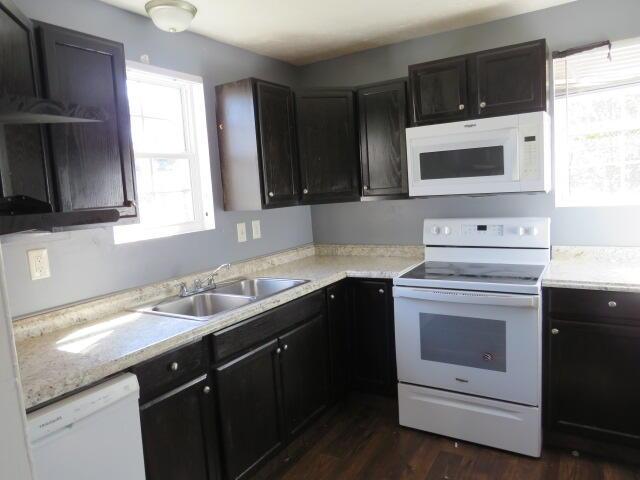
(199, 286)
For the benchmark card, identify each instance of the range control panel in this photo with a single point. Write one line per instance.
(512, 232)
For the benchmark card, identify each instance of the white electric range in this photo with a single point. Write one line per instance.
(468, 332)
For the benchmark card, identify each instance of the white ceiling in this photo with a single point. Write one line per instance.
(305, 31)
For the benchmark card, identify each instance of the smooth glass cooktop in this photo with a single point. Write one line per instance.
(476, 272)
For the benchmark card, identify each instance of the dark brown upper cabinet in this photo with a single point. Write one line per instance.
(92, 162)
(502, 81)
(327, 145)
(256, 135)
(439, 91)
(511, 79)
(382, 111)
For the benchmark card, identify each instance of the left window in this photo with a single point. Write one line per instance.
(170, 144)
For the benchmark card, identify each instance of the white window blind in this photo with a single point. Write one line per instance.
(597, 126)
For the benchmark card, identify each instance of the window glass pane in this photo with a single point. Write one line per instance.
(597, 126)
(157, 117)
(171, 175)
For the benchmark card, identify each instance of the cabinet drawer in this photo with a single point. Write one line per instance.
(593, 305)
(260, 328)
(170, 370)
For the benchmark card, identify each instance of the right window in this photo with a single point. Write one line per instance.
(597, 126)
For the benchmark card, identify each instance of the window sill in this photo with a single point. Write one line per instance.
(137, 233)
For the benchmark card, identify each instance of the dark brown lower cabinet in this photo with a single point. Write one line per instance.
(249, 409)
(592, 394)
(178, 434)
(373, 338)
(304, 373)
(338, 327)
(269, 394)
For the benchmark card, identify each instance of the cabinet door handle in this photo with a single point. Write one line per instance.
(271, 194)
(130, 203)
(612, 304)
(461, 106)
(285, 346)
(174, 366)
(555, 331)
(206, 390)
(220, 126)
(483, 104)
(278, 351)
(332, 296)
(381, 290)
(305, 191)
(365, 187)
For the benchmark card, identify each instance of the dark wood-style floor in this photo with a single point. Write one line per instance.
(361, 439)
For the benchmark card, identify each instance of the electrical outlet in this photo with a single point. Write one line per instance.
(255, 227)
(39, 264)
(242, 232)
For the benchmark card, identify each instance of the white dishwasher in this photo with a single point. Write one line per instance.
(94, 434)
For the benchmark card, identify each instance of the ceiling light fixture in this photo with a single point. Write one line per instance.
(171, 15)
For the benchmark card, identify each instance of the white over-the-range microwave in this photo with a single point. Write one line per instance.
(489, 155)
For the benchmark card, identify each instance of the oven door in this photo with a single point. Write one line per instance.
(477, 343)
(463, 158)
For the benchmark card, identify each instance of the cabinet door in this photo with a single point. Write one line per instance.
(439, 91)
(511, 80)
(93, 163)
(373, 351)
(383, 156)
(592, 381)
(176, 434)
(327, 146)
(338, 322)
(303, 360)
(280, 175)
(248, 409)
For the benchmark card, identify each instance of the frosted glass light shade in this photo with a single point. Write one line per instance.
(171, 15)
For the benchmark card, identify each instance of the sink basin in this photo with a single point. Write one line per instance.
(259, 287)
(204, 306)
(201, 306)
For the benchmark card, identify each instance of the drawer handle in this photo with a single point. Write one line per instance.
(483, 104)
(462, 380)
(461, 106)
(555, 331)
(612, 304)
(381, 290)
(174, 366)
(206, 390)
(305, 191)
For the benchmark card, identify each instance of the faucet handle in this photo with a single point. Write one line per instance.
(197, 284)
(183, 289)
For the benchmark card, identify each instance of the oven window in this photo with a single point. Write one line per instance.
(469, 162)
(471, 342)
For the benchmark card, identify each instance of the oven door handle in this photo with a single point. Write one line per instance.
(454, 296)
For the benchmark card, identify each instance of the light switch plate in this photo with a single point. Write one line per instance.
(39, 264)
(255, 227)
(242, 232)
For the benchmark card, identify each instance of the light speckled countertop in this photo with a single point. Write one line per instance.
(60, 361)
(594, 268)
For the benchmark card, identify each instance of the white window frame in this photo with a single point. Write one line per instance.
(197, 152)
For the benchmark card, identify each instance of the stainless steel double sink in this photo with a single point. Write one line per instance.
(232, 294)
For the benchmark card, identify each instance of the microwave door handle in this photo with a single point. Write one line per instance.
(451, 296)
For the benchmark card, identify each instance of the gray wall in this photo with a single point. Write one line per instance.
(566, 26)
(86, 263)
